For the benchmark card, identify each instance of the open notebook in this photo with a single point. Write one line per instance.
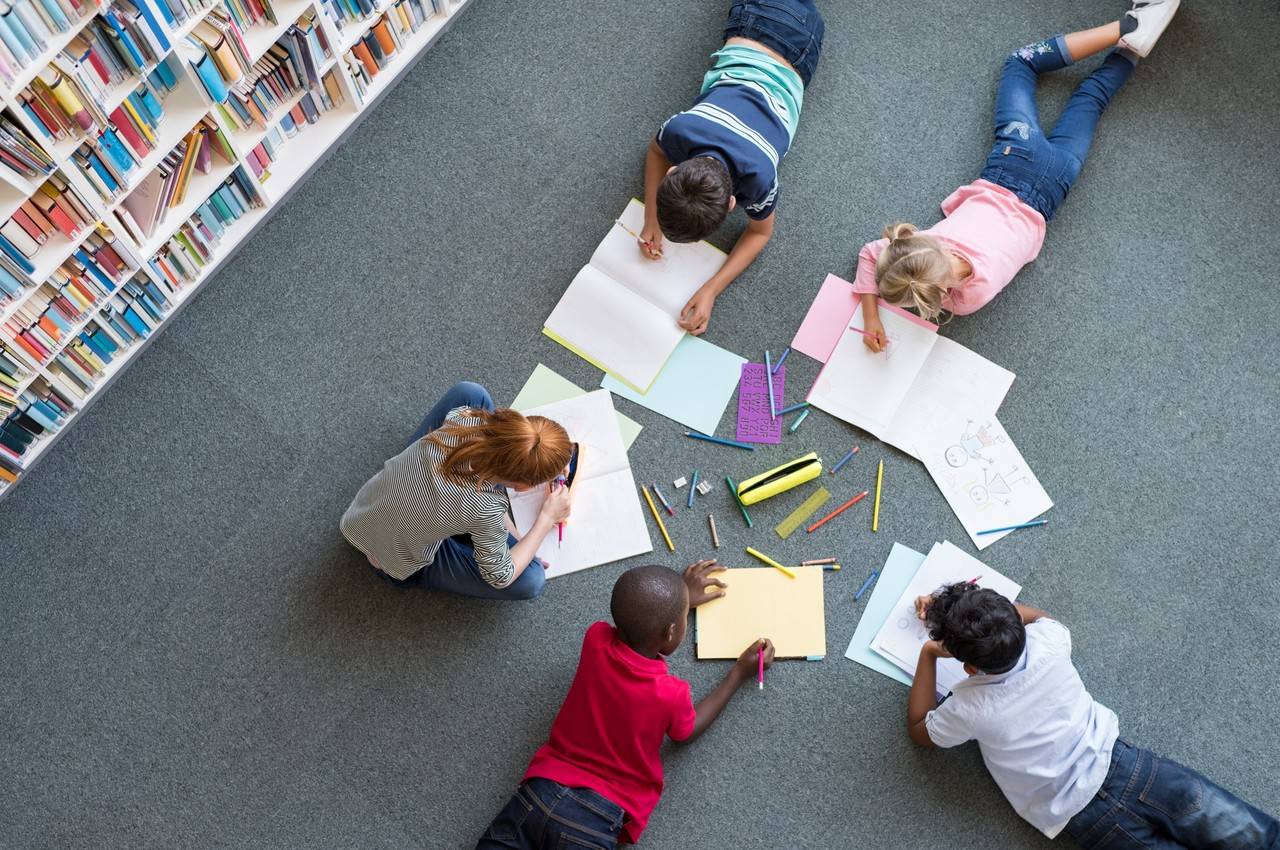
(620, 311)
(607, 523)
(887, 393)
(903, 633)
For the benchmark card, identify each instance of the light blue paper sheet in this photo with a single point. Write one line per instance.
(694, 387)
(902, 565)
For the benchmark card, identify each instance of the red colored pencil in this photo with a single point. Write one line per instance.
(838, 511)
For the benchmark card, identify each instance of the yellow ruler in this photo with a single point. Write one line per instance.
(807, 509)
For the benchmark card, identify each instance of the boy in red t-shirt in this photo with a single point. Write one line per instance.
(599, 775)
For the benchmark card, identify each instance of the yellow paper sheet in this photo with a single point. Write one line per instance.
(762, 602)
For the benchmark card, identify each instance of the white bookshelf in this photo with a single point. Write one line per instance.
(184, 107)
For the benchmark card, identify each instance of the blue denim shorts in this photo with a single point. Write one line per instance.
(791, 28)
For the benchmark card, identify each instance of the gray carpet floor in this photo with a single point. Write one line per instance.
(192, 657)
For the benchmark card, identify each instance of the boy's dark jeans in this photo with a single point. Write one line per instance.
(545, 814)
(791, 28)
(1152, 802)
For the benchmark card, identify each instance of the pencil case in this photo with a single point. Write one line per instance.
(780, 479)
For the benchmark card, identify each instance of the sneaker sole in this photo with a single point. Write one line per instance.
(1143, 53)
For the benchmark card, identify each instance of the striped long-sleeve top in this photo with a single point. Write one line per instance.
(401, 515)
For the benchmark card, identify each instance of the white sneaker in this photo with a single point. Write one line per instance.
(1152, 17)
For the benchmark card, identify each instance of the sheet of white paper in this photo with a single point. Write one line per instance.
(607, 523)
(668, 282)
(979, 470)
(865, 388)
(614, 328)
(900, 638)
(954, 377)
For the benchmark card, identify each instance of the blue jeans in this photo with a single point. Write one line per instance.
(454, 570)
(791, 28)
(546, 814)
(1041, 169)
(1151, 802)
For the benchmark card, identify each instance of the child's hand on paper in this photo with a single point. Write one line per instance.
(558, 503)
(697, 577)
(872, 325)
(651, 240)
(697, 313)
(922, 605)
(748, 662)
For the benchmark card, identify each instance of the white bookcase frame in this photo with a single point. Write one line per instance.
(183, 107)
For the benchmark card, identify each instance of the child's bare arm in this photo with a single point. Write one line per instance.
(697, 313)
(1029, 614)
(871, 323)
(924, 692)
(656, 166)
(710, 706)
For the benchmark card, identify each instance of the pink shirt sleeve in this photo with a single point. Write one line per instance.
(864, 279)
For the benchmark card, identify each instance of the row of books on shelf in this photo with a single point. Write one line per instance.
(38, 410)
(165, 187)
(54, 208)
(44, 320)
(223, 56)
(73, 94)
(376, 48)
(250, 13)
(288, 67)
(27, 25)
(20, 153)
(306, 111)
(179, 12)
(182, 259)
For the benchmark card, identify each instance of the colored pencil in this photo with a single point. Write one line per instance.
(785, 352)
(768, 382)
(1031, 524)
(693, 487)
(796, 424)
(720, 440)
(867, 333)
(770, 561)
(831, 567)
(837, 511)
(875, 514)
(871, 578)
(793, 408)
(715, 537)
(760, 653)
(842, 461)
(733, 489)
(658, 518)
(817, 562)
(560, 525)
(661, 498)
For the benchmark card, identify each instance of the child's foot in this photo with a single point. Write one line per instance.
(1142, 25)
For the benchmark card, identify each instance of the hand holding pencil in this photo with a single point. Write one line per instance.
(754, 660)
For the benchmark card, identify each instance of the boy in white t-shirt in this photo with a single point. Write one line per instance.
(1055, 752)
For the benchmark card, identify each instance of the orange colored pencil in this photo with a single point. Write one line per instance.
(838, 511)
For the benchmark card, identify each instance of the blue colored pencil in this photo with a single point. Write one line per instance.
(796, 424)
(785, 352)
(857, 597)
(793, 408)
(768, 382)
(842, 461)
(1031, 524)
(721, 440)
(693, 487)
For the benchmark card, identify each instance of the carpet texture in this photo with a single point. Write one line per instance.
(193, 657)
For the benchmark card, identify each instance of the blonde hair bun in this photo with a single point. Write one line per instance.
(899, 230)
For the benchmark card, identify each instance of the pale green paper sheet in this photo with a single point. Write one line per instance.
(902, 565)
(546, 386)
(693, 388)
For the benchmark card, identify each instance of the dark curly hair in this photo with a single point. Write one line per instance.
(693, 200)
(978, 626)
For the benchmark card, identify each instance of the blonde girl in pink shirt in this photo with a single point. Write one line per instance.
(995, 225)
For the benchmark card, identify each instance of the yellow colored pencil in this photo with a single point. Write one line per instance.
(875, 512)
(770, 561)
(658, 518)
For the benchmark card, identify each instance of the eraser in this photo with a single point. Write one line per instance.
(679, 482)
